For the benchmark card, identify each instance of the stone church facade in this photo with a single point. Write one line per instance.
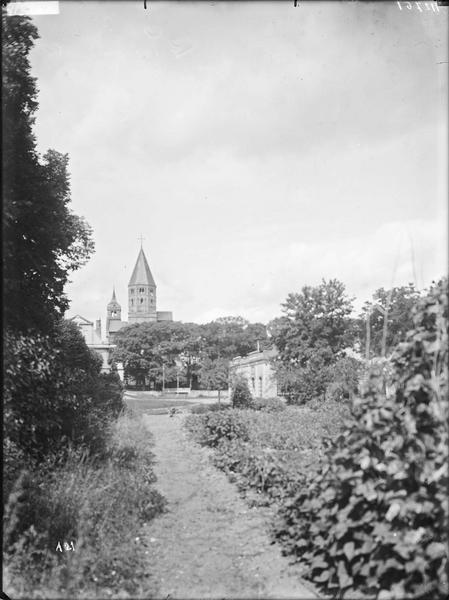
(142, 308)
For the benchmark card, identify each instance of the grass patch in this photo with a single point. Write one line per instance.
(200, 409)
(101, 506)
(144, 404)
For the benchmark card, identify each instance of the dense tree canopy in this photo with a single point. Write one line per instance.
(214, 374)
(228, 337)
(311, 337)
(54, 391)
(195, 355)
(42, 239)
(157, 351)
(316, 318)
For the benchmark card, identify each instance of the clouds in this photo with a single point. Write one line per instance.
(396, 253)
(256, 146)
(250, 81)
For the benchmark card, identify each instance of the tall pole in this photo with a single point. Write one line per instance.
(368, 335)
(163, 376)
(385, 327)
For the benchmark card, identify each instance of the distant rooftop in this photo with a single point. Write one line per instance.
(116, 325)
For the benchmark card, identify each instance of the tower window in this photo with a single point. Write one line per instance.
(132, 291)
(132, 302)
(141, 300)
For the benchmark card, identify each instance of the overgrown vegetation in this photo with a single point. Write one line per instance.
(364, 507)
(375, 517)
(55, 393)
(267, 449)
(241, 396)
(99, 505)
(205, 408)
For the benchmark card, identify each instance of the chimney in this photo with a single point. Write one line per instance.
(98, 327)
(258, 346)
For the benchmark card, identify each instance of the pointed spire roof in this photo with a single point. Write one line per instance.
(113, 301)
(142, 274)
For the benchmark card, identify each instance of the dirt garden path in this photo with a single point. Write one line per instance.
(210, 544)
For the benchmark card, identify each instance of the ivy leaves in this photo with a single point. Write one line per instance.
(374, 519)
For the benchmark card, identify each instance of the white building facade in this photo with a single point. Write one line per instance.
(92, 336)
(257, 369)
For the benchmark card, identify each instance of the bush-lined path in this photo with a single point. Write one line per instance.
(210, 544)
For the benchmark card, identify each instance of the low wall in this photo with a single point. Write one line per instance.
(183, 393)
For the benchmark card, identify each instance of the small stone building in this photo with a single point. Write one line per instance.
(257, 369)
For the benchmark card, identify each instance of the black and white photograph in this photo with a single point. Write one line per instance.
(225, 300)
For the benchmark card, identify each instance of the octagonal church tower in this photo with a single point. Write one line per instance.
(141, 293)
(113, 312)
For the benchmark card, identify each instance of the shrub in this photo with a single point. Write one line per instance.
(268, 404)
(100, 506)
(55, 394)
(302, 382)
(241, 396)
(29, 420)
(330, 414)
(344, 378)
(374, 519)
(211, 428)
(262, 469)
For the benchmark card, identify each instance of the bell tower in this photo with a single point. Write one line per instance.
(141, 293)
(113, 312)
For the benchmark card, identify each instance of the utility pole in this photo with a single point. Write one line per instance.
(368, 335)
(163, 377)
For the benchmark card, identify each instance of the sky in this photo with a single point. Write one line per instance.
(256, 147)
